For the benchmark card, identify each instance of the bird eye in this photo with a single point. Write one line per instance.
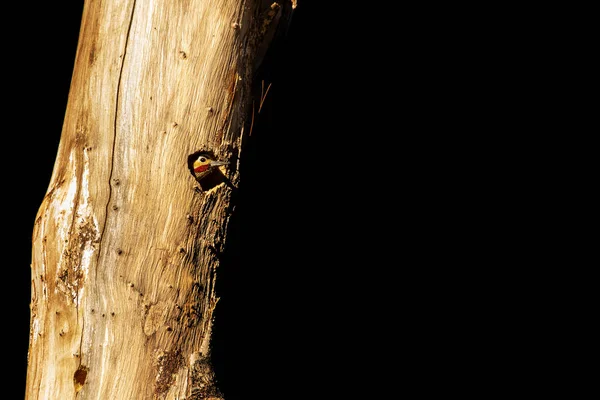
(202, 159)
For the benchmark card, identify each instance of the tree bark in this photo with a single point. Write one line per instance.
(126, 243)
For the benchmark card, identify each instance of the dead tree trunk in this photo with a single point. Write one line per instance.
(126, 243)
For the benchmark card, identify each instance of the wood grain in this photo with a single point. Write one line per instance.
(125, 245)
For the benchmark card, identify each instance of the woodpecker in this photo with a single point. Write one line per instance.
(201, 165)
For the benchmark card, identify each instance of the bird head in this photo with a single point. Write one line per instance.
(203, 164)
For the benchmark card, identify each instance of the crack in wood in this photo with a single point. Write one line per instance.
(112, 156)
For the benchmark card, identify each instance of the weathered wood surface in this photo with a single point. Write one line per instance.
(125, 247)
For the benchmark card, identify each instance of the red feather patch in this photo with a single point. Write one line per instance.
(201, 168)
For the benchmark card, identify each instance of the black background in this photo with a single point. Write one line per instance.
(384, 192)
(260, 322)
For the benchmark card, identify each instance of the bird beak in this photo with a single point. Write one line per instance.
(218, 163)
